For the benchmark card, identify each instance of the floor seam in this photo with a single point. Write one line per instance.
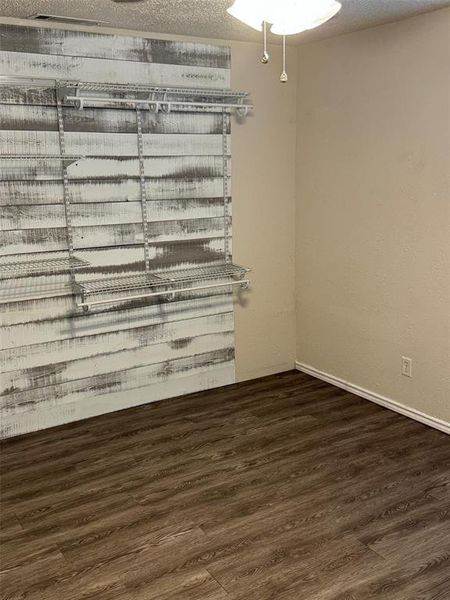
(371, 549)
(218, 582)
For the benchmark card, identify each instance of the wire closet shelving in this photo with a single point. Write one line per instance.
(165, 284)
(149, 283)
(13, 270)
(65, 157)
(154, 98)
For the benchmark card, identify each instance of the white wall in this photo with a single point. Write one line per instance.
(372, 219)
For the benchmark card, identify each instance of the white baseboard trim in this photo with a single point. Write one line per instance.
(412, 413)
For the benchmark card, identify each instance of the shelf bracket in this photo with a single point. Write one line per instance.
(143, 189)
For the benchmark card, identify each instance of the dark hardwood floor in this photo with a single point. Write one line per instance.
(283, 488)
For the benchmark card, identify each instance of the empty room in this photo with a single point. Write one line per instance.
(225, 300)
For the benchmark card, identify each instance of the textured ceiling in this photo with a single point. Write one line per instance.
(207, 18)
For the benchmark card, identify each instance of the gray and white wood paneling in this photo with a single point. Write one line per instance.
(57, 365)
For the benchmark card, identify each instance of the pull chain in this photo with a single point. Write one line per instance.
(283, 76)
(265, 56)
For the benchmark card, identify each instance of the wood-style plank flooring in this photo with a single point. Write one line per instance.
(283, 488)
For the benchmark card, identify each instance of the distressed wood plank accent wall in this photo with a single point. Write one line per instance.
(58, 365)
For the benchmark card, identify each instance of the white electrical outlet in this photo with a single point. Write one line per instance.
(406, 366)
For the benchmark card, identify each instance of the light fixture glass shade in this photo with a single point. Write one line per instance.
(286, 16)
(294, 16)
(250, 12)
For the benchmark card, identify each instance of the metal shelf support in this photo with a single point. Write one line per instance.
(66, 192)
(143, 189)
(226, 183)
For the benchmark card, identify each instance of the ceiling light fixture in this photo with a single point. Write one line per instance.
(286, 17)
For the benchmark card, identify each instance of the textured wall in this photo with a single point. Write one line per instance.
(58, 365)
(263, 211)
(263, 186)
(373, 215)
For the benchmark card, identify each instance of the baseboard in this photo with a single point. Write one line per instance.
(443, 426)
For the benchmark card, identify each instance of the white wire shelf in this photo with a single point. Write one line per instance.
(47, 266)
(61, 157)
(118, 284)
(164, 99)
(161, 284)
(228, 270)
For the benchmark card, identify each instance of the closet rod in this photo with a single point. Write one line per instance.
(244, 283)
(144, 103)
